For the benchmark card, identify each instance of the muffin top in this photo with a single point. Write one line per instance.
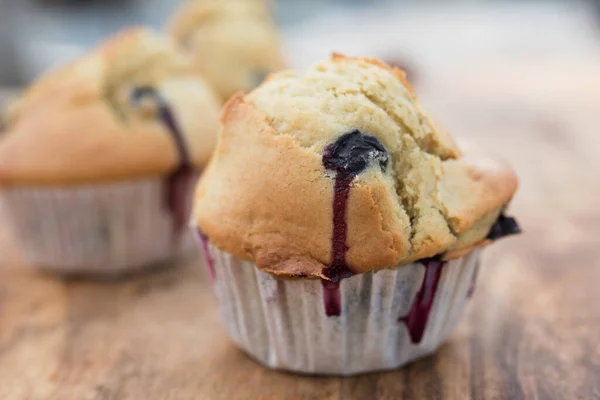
(234, 42)
(133, 107)
(340, 165)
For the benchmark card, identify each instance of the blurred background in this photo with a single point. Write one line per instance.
(38, 34)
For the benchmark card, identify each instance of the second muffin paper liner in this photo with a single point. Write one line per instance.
(97, 229)
(283, 324)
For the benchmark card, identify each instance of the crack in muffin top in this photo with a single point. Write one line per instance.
(78, 124)
(267, 196)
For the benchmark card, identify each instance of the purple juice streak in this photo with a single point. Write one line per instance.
(473, 284)
(418, 316)
(180, 182)
(338, 269)
(167, 117)
(179, 185)
(332, 298)
(210, 263)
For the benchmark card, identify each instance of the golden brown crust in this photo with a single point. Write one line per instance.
(76, 124)
(472, 185)
(458, 253)
(266, 196)
(399, 73)
(211, 30)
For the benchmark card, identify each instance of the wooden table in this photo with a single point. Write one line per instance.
(532, 330)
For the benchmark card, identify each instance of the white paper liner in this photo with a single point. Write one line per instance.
(103, 228)
(282, 323)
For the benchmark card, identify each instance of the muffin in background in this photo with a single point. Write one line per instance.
(233, 42)
(99, 158)
(352, 243)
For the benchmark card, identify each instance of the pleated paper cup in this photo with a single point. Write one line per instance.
(283, 323)
(96, 229)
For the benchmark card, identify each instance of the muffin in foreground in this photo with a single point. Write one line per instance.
(99, 158)
(342, 228)
(234, 42)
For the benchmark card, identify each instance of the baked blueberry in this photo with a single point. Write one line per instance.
(353, 152)
(504, 226)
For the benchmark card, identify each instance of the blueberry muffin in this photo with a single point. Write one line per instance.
(233, 42)
(99, 158)
(342, 226)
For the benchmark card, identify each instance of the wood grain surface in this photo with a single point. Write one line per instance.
(532, 330)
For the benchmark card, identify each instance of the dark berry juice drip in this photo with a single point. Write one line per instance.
(210, 263)
(180, 182)
(473, 281)
(351, 154)
(332, 297)
(338, 269)
(179, 202)
(418, 316)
